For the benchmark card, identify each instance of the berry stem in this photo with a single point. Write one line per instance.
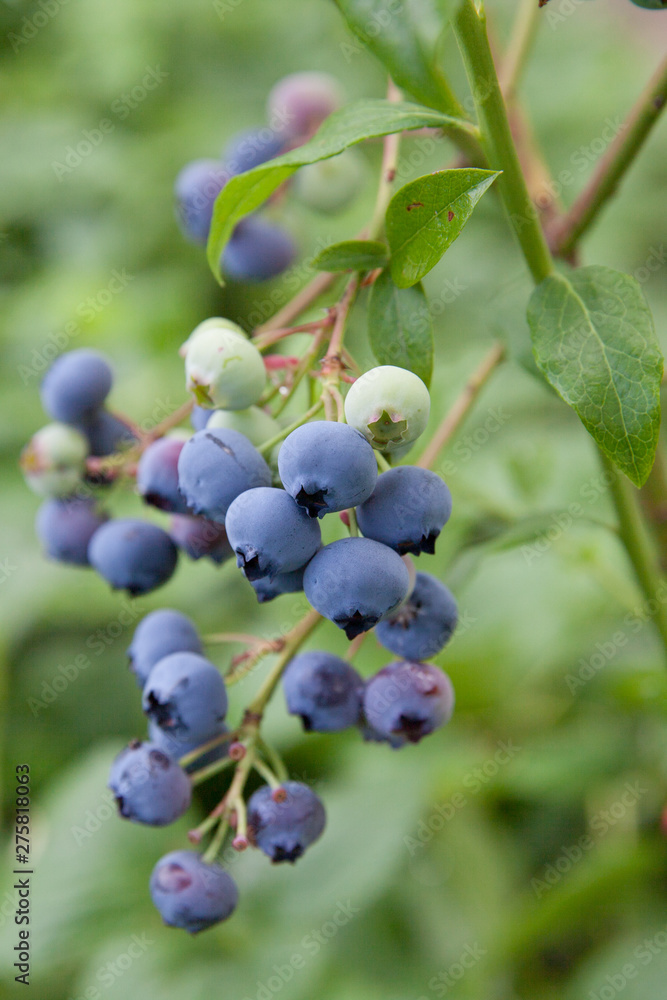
(307, 363)
(293, 641)
(273, 758)
(265, 772)
(304, 418)
(383, 464)
(219, 637)
(204, 773)
(353, 527)
(309, 294)
(214, 848)
(262, 341)
(566, 232)
(461, 406)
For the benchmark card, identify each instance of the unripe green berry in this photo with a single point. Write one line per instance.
(223, 369)
(54, 460)
(254, 422)
(389, 406)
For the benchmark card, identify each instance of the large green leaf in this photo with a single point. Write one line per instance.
(426, 216)
(399, 327)
(403, 35)
(594, 341)
(352, 255)
(365, 119)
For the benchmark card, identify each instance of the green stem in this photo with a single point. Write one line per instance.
(273, 757)
(272, 442)
(470, 28)
(567, 231)
(298, 635)
(214, 848)
(635, 539)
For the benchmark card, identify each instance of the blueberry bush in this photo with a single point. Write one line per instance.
(318, 461)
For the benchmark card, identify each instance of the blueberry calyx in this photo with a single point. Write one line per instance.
(312, 502)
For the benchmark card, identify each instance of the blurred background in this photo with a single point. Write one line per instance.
(517, 854)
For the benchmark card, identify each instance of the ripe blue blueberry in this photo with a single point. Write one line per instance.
(283, 823)
(65, 527)
(406, 701)
(191, 893)
(327, 466)
(200, 417)
(324, 691)
(200, 538)
(330, 185)
(406, 510)
(54, 460)
(355, 583)
(299, 103)
(148, 785)
(270, 533)
(157, 635)
(222, 367)
(257, 251)
(424, 624)
(76, 385)
(157, 475)
(390, 406)
(186, 695)
(106, 433)
(251, 148)
(196, 188)
(216, 466)
(267, 589)
(175, 745)
(133, 555)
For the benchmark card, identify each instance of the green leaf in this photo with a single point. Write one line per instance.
(352, 255)
(365, 119)
(399, 327)
(425, 217)
(403, 35)
(594, 341)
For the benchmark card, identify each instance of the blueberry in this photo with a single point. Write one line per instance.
(200, 417)
(149, 786)
(257, 251)
(250, 149)
(196, 188)
(282, 583)
(299, 103)
(76, 385)
(200, 538)
(424, 624)
(65, 527)
(283, 829)
(175, 745)
(327, 466)
(406, 510)
(270, 533)
(222, 367)
(405, 701)
(324, 691)
(186, 695)
(389, 406)
(157, 475)
(133, 555)
(191, 893)
(54, 460)
(216, 466)
(330, 185)
(106, 433)
(355, 583)
(157, 635)
(254, 422)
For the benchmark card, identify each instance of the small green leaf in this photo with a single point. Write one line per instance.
(352, 255)
(365, 119)
(399, 327)
(426, 216)
(403, 35)
(594, 341)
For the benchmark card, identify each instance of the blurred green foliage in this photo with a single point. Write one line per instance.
(468, 848)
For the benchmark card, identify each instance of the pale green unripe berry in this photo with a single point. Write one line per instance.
(257, 425)
(330, 185)
(54, 460)
(389, 406)
(222, 368)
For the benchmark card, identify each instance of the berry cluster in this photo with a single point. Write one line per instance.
(259, 249)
